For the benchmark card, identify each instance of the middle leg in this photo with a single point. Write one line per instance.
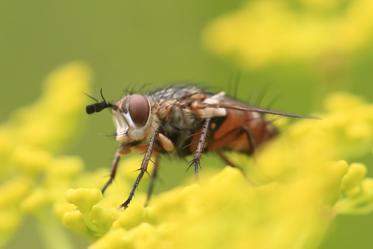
(200, 146)
(152, 179)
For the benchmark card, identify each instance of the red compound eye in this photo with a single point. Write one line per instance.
(138, 107)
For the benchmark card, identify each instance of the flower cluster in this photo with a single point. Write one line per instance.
(268, 31)
(32, 175)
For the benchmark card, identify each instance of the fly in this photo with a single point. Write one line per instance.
(184, 120)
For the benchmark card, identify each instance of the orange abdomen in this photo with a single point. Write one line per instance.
(240, 131)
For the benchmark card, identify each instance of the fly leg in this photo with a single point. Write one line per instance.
(200, 146)
(114, 167)
(250, 139)
(229, 162)
(252, 147)
(152, 179)
(143, 168)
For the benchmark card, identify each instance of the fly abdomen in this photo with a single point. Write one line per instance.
(240, 131)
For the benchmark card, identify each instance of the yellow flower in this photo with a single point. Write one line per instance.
(268, 31)
(34, 177)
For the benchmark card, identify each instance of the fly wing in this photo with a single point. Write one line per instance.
(266, 111)
(220, 102)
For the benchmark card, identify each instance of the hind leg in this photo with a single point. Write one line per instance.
(228, 162)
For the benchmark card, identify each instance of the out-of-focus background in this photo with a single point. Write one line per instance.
(130, 43)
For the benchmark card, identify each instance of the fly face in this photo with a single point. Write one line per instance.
(132, 118)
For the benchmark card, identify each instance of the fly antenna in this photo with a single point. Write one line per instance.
(99, 105)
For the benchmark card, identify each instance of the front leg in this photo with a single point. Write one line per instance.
(143, 168)
(200, 146)
(114, 166)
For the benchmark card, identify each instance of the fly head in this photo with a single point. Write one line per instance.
(133, 118)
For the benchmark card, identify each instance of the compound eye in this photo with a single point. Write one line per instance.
(138, 107)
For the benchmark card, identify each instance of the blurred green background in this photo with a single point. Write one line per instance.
(128, 43)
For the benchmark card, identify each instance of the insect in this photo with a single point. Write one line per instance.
(183, 120)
